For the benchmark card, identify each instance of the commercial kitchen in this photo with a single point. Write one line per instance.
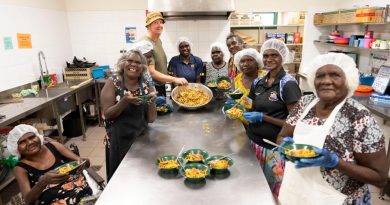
(104, 87)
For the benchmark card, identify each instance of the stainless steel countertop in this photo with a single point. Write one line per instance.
(137, 180)
(31, 104)
(380, 110)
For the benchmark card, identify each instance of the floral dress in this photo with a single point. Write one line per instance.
(69, 192)
(354, 131)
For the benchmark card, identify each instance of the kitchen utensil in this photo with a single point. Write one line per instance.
(274, 144)
(341, 40)
(175, 94)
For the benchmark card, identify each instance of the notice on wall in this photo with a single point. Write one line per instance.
(8, 45)
(24, 40)
(130, 33)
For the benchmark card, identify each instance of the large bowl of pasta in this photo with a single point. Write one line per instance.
(192, 96)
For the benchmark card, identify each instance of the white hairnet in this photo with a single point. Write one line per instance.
(181, 40)
(346, 63)
(16, 133)
(277, 45)
(248, 52)
(143, 46)
(223, 48)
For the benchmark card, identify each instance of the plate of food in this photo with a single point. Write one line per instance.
(168, 163)
(235, 95)
(145, 98)
(298, 151)
(195, 172)
(194, 155)
(212, 84)
(233, 111)
(224, 83)
(219, 163)
(70, 167)
(192, 96)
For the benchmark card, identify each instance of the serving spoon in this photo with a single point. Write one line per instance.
(274, 144)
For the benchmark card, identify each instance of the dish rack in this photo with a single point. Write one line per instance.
(78, 73)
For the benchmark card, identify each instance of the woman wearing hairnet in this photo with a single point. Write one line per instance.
(37, 180)
(249, 64)
(186, 65)
(273, 96)
(351, 144)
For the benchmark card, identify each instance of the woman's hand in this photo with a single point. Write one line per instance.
(180, 81)
(153, 98)
(130, 98)
(327, 159)
(53, 177)
(253, 117)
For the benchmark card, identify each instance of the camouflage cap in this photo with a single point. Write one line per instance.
(152, 16)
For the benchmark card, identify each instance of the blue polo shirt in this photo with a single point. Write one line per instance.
(188, 71)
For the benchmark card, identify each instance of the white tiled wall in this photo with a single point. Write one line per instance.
(202, 33)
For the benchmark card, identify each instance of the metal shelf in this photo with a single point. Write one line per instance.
(265, 26)
(352, 47)
(356, 23)
(287, 44)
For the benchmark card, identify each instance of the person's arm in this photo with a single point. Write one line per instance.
(151, 114)
(111, 109)
(165, 78)
(370, 168)
(31, 195)
(286, 131)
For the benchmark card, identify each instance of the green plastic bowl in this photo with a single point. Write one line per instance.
(216, 157)
(204, 153)
(224, 78)
(145, 98)
(168, 157)
(292, 158)
(197, 166)
(212, 87)
(225, 108)
(237, 95)
(75, 165)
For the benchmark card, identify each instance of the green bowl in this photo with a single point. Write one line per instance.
(225, 108)
(73, 171)
(168, 157)
(204, 153)
(216, 157)
(224, 78)
(292, 158)
(197, 166)
(212, 87)
(145, 98)
(237, 95)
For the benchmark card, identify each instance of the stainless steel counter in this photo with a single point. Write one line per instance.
(380, 110)
(137, 180)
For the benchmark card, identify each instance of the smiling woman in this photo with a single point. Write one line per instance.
(126, 109)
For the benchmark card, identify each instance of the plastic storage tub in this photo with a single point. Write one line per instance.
(99, 72)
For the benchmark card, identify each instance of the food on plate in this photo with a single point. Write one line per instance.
(224, 84)
(192, 97)
(168, 164)
(162, 109)
(234, 112)
(66, 169)
(212, 84)
(194, 157)
(300, 152)
(219, 164)
(195, 173)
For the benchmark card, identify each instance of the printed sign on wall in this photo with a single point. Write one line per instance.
(24, 40)
(8, 45)
(130, 33)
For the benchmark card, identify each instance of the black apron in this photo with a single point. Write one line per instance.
(130, 124)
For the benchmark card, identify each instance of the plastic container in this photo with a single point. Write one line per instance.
(99, 72)
(366, 80)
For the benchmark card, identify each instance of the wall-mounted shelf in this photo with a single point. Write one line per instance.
(289, 44)
(265, 26)
(352, 47)
(341, 24)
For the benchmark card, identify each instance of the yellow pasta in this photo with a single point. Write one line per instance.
(219, 164)
(300, 153)
(195, 173)
(194, 157)
(162, 109)
(212, 84)
(66, 169)
(234, 113)
(192, 97)
(224, 84)
(168, 164)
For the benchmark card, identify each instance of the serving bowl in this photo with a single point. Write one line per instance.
(341, 40)
(195, 172)
(235, 95)
(299, 151)
(219, 163)
(225, 111)
(220, 80)
(196, 86)
(145, 98)
(68, 168)
(192, 154)
(212, 84)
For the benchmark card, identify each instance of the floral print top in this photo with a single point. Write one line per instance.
(69, 192)
(354, 131)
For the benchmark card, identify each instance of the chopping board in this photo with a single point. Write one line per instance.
(11, 100)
